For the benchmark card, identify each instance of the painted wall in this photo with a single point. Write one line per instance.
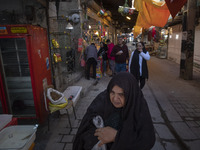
(197, 49)
(174, 44)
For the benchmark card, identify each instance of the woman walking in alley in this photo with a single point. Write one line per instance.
(138, 65)
(103, 52)
(126, 117)
(111, 59)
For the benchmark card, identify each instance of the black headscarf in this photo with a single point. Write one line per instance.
(103, 51)
(135, 68)
(136, 131)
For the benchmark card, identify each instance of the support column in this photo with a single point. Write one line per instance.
(187, 48)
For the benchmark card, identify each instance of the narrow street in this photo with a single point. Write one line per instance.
(51, 43)
(173, 102)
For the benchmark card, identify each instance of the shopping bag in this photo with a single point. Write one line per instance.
(55, 96)
(98, 122)
(82, 62)
(53, 107)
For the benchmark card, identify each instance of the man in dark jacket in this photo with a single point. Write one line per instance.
(91, 59)
(120, 51)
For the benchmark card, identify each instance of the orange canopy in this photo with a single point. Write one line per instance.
(151, 13)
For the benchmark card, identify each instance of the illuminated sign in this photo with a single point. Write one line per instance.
(3, 30)
(18, 30)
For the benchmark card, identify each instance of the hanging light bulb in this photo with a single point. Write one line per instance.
(127, 17)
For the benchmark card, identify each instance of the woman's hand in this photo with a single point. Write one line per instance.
(105, 135)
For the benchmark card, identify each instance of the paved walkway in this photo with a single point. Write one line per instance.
(174, 105)
(178, 101)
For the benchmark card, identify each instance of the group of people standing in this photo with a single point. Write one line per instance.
(118, 59)
(92, 55)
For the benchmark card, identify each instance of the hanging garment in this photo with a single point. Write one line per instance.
(151, 13)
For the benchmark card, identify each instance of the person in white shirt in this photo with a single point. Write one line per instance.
(138, 65)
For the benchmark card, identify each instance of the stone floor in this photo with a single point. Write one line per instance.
(174, 105)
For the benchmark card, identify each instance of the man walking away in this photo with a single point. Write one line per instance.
(91, 59)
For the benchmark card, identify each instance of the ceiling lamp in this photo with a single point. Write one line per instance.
(69, 26)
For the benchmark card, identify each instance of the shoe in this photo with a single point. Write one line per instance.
(96, 82)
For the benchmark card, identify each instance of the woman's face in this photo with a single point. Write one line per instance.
(139, 46)
(117, 97)
(101, 44)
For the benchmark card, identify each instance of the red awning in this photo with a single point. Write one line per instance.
(175, 6)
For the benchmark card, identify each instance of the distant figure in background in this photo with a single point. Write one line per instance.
(91, 59)
(121, 54)
(103, 52)
(138, 65)
(111, 59)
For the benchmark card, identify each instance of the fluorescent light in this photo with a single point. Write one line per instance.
(127, 17)
(89, 26)
(177, 36)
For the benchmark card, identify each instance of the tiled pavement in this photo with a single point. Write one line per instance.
(61, 137)
(174, 105)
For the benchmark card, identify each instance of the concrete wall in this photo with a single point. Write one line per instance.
(67, 39)
(174, 44)
(197, 49)
(23, 12)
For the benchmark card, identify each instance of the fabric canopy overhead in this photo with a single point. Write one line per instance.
(175, 6)
(137, 30)
(151, 13)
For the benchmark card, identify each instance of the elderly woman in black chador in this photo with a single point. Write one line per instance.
(126, 117)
